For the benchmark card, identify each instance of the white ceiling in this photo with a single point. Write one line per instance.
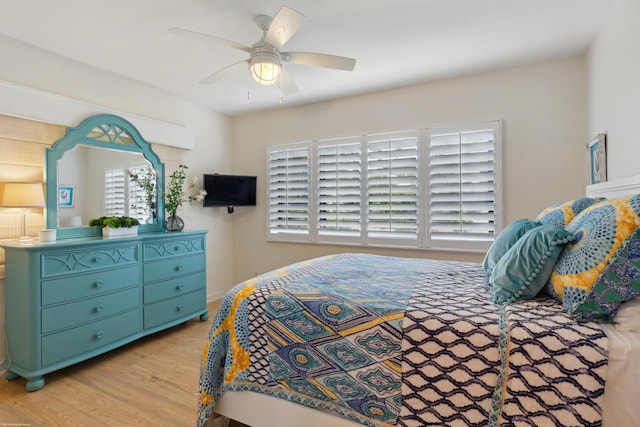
(395, 42)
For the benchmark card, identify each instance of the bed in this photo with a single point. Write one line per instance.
(358, 339)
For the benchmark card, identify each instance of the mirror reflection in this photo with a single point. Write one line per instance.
(95, 181)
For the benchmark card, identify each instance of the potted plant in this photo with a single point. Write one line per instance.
(116, 226)
(146, 179)
(177, 194)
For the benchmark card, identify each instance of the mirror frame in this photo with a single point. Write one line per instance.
(105, 131)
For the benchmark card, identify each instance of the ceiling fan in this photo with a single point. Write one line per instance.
(265, 58)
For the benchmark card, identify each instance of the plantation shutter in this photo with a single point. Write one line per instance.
(338, 190)
(114, 192)
(462, 185)
(289, 191)
(392, 186)
(138, 206)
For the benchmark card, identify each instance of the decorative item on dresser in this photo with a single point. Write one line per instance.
(82, 295)
(23, 195)
(113, 226)
(176, 195)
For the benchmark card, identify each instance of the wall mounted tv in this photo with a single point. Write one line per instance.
(229, 190)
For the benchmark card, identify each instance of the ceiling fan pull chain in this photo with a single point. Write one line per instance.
(249, 94)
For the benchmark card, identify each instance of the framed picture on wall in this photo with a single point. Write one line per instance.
(597, 155)
(66, 196)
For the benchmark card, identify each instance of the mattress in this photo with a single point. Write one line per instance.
(622, 394)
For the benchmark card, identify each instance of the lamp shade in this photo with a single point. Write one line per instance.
(23, 195)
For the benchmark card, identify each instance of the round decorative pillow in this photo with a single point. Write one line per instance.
(561, 214)
(598, 233)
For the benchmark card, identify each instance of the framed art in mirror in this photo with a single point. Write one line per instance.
(65, 196)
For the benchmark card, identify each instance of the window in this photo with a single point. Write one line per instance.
(141, 203)
(434, 188)
(462, 186)
(392, 187)
(289, 191)
(338, 189)
(122, 196)
(114, 192)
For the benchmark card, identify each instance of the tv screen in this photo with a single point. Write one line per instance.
(229, 190)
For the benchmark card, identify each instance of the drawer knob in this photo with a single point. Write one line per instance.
(180, 307)
(99, 308)
(99, 284)
(176, 248)
(180, 287)
(96, 259)
(178, 267)
(99, 334)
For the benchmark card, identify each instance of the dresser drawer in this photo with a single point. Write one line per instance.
(66, 344)
(173, 267)
(59, 263)
(92, 309)
(172, 248)
(174, 287)
(79, 286)
(166, 311)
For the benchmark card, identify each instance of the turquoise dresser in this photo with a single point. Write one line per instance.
(73, 299)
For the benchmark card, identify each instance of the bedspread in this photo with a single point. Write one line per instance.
(400, 341)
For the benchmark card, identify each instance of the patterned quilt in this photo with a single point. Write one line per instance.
(388, 341)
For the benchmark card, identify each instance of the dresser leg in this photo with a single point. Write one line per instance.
(35, 384)
(204, 317)
(10, 376)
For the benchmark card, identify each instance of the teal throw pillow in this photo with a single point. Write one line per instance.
(505, 240)
(524, 270)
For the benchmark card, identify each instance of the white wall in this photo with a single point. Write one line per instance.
(614, 89)
(33, 68)
(544, 112)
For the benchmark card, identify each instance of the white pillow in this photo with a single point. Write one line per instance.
(628, 316)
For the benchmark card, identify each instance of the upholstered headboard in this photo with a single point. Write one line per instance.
(617, 188)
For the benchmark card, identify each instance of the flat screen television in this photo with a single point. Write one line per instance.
(229, 190)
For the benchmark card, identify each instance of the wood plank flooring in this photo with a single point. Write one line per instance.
(150, 382)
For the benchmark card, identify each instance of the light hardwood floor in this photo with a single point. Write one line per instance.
(150, 382)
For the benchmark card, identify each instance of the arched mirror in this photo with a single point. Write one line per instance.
(90, 173)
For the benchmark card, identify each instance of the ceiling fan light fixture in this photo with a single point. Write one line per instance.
(265, 68)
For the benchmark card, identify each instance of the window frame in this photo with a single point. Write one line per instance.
(290, 235)
(338, 238)
(470, 245)
(423, 239)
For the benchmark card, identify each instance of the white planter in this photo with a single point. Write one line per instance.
(120, 232)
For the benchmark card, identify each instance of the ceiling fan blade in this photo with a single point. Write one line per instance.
(288, 85)
(221, 74)
(319, 60)
(284, 25)
(209, 38)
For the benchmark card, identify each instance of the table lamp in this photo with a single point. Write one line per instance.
(23, 195)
